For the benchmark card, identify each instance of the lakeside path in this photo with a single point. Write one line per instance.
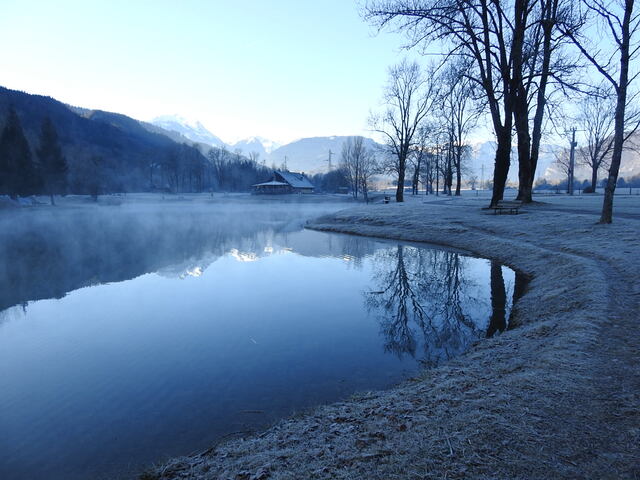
(556, 397)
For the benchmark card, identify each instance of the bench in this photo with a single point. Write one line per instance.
(387, 198)
(507, 206)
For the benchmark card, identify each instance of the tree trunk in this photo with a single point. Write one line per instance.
(498, 320)
(549, 21)
(449, 176)
(400, 189)
(502, 162)
(458, 169)
(618, 136)
(525, 176)
(594, 178)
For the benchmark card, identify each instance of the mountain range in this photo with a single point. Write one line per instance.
(308, 155)
(130, 146)
(311, 155)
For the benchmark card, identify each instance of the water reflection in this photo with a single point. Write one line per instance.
(196, 316)
(428, 297)
(46, 254)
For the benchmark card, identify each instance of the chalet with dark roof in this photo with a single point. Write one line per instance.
(285, 182)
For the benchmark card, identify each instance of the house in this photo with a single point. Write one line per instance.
(285, 182)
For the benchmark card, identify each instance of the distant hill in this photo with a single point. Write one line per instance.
(310, 155)
(629, 167)
(126, 146)
(484, 153)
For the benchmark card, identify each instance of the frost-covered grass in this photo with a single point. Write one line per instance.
(557, 397)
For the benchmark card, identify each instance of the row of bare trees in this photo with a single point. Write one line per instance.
(358, 164)
(426, 122)
(519, 56)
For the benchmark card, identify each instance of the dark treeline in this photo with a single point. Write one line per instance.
(334, 181)
(184, 169)
(108, 153)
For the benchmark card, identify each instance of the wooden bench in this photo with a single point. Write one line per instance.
(507, 206)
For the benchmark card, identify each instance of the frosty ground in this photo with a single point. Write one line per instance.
(556, 397)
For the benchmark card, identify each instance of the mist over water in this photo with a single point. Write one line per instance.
(136, 332)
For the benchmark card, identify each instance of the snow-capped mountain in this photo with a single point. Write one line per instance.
(260, 145)
(194, 131)
(311, 155)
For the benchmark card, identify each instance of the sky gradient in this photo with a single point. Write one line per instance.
(282, 69)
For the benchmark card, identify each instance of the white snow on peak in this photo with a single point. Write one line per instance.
(269, 145)
(177, 119)
(258, 144)
(194, 130)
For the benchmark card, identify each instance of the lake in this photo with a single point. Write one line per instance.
(132, 333)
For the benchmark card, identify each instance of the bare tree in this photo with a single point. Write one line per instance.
(254, 156)
(461, 115)
(359, 165)
(473, 181)
(351, 162)
(409, 97)
(370, 168)
(619, 24)
(419, 157)
(482, 31)
(563, 162)
(597, 119)
(513, 48)
(544, 60)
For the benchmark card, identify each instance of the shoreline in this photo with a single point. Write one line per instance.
(538, 401)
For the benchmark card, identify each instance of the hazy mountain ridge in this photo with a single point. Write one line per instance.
(125, 146)
(629, 167)
(483, 154)
(311, 155)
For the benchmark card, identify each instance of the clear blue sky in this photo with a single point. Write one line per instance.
(282, 69)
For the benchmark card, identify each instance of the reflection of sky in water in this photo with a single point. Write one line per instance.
(128, 372)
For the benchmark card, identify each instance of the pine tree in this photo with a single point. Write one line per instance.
(18, 173)
(53, 164)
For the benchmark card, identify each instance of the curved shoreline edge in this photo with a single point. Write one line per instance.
(541, 401)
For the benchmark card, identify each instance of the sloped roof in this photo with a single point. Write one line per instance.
(272, 183)
(296, 180)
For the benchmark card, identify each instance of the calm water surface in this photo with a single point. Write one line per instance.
(130, 334)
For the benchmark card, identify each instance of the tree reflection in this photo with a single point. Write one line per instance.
(427, 296)
(498, 321)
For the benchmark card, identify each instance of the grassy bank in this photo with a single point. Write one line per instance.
(557, 397)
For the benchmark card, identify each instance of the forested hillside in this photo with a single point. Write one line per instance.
(103, 152)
